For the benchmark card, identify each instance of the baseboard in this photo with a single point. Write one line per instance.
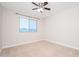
(20, 44)
(40, 40)
(76, 48)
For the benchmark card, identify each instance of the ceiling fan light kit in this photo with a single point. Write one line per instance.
(40, 10)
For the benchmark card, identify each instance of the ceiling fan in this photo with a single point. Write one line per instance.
(41, 6)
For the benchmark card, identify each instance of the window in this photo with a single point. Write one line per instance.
(28, 24)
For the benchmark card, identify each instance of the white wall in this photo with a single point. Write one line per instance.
(10, 30)
(0, 27)
(63, 28)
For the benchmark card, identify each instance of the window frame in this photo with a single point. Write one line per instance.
(29, 18)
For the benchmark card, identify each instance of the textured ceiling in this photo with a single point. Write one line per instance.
(26, 8)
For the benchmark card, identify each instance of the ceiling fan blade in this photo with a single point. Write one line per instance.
(35, 4)
(45, 3)
(47, 8)
(34, 8)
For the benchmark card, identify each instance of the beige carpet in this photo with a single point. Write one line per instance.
(40, 49)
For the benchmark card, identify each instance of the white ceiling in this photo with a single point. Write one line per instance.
(26, 8)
